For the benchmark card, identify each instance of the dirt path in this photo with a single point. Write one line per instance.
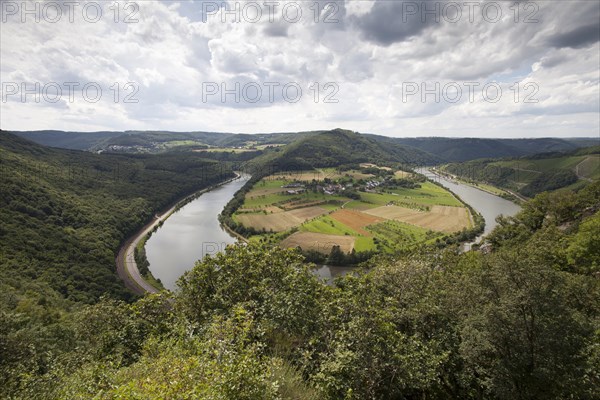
(525, 170)
(127, 268)
(577, 170)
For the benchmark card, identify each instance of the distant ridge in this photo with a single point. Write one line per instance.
(465, 149)
(339, 147)
(432, 149)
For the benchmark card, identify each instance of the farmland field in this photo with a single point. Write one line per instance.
(280, 221)
(320, 242)
(402, 174)
(382, 210)
(355, 220)
(328, 225)
(440, 218)
(264, 192)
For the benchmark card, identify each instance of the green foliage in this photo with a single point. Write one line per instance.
(584, 249)
(369, 348)
(519, 321)
(63, 214)
(549, 180)
(339, 147)
(510, 334)
(534, 174)
(224, 363)
(271, 282)
(465, 149)
(336, 257)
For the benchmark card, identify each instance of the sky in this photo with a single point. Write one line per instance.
(395, 68)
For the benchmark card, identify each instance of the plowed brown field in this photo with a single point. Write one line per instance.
(320, 242)
(280, 221)
(440, 218)
(356, 220)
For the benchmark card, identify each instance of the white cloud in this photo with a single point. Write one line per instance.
(171, 53)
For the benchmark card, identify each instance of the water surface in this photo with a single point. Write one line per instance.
(488, 205)
(194, 230)
(189, 234)
(329, 272)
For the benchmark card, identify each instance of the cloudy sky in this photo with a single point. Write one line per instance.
(412, 68)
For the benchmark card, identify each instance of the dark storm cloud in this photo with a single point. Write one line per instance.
(392, 21)
(578, 37)
(578, 24)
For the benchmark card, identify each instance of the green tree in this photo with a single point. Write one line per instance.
(336, 256)
(273, 283)
(584, 251)
(523, 334)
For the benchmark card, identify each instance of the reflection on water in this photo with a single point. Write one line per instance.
(189, 234)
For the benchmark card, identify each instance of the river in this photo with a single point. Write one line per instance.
(194, 231)
(488, 205)
(189, 234)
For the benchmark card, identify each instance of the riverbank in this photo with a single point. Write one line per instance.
(484, 187)
(197, 230)
(472, 235)
(234, 233)
(486, 204)
(127, 268)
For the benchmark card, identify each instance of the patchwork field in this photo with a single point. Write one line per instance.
(450, 219)
(439, 218)
(355, 220)
(393, 212)
(353, 209)
(320, 242)
(264, 192)
(280, 221)
(402, 174)
(428, 194)
(269, 209)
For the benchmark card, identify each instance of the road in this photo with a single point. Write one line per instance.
(127, 268)
(517, 195)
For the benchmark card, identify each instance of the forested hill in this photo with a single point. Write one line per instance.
(63, 214)
(464, 149)
(340, 147)
(150, 140)
(534, 174)
(425, 149)
(102, 139)
(519, 321)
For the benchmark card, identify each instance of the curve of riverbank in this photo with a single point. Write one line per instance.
(234, 233)
(127, 268)
(488, 205)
